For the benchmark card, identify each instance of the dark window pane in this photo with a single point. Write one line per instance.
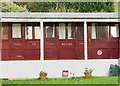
(81, 30)
(103, 31)
(50, 30)
(94, 31)
(71, 31)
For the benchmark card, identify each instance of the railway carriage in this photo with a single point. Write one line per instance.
(68, 40)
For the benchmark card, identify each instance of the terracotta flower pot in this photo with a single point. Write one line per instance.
(43, 76)
(87, 74)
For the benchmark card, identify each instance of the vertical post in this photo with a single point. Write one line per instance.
(85, 40)
(0, 39)
(42, 45)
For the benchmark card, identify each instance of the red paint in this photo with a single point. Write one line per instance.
(108, 46)
(20, 48)
(58, 49)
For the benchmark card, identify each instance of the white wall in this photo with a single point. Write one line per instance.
(31, 69)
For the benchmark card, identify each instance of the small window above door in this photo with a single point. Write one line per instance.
(16, 30)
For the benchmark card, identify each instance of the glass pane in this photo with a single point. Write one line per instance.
(28, 31)
(16, 31)
(50, 30)
(4, 31)
(81, 30)
(103, 31)
(71, 31)
(94, 31)
(62, 31)
(115, 30)
(37, 31)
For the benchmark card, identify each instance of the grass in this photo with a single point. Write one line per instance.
(78, 80)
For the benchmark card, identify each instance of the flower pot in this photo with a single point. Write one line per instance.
(43, 76)
(87, 74)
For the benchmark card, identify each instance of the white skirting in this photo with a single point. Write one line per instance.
(31, 69)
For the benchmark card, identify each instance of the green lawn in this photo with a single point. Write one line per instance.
(79, 80)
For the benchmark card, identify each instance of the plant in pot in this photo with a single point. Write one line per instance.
(43, 75)
(88, 72)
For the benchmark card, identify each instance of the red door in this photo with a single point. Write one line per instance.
(80, 41)
(51, 41)
(32, 41)
(16, 41)
(99, 39)
(64, 41)
(114, 41)
(67, 41)
(103, 41)
(5, 42)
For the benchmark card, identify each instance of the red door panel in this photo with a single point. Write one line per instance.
(113, 43)
(16, 44)
(80, 49)
(5, 54)
(51, 54)
(32, 54)
(99, 43)
(95, 53)
(5, 44)
(113, 53)
(67, 53)
(16, 54)
(32, 44)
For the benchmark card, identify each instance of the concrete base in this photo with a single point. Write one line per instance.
(54, 68)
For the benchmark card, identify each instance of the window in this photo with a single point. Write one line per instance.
(50, 30)
(114, 30)
(94, 31)
(16, 30)
(28, 31)
(103, 31)
(37, 30)
(71, 30)
(62, 31)
(4, 31)
(81, 30)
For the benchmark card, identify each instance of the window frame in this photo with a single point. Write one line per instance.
(21, 31)
(33, 31)
(110, 31)
(2, 31)
(55, 31)
(99, 28)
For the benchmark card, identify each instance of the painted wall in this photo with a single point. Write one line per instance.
(31, 69)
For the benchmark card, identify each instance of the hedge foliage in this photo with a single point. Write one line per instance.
(12, 7)
(68, 6)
